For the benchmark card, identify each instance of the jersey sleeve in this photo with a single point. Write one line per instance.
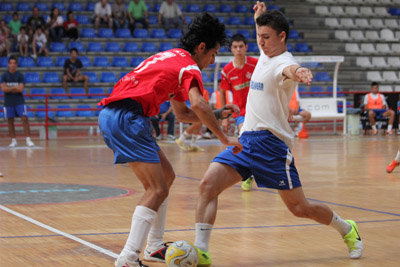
(225, 84)
(189, 77)
(286, 60)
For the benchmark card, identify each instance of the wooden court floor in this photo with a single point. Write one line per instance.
(252, 228)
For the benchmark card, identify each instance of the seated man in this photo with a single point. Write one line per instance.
(376, 105)
(165, 114)
(137, 13)
(102, 14)
(294, 109)
(171, 16)
(72, 67)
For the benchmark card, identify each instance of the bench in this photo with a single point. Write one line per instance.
(324, 109)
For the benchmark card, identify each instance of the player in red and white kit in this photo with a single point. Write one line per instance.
(236, 77)
(126, 128)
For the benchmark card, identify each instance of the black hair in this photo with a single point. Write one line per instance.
(12, 58)
(274, 19)
(374, 84)
(69, 12)
(238, 37)
(204, 28)
(15, 13)
(23, 27)
(74, 49)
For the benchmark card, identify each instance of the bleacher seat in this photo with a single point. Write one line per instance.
(205, 78)
(391, 23)
(123, 33)
(51, 77)
(83, 19)
(64, 111)
(121, 75)
(77, 93)
(158, 33)
(273, 7)
(234, 21)
(210, 8)
(289, 47)
(396, 47)
(85, 61)
(156, 7)
(32, 77)
(113, 47)
(131, 47)
(342, 35)
(57, 47)
(390, 76)
(153, 20)
(387, 35)
(322, 76)
(42, 113)
(55, 93)
(165, 46)
(78, 45)
(22, 6)
(106, 33)
(175, 33)
(7, 18)
(224, 49)
(4, 62)
(92, 76)
(108, 77)
(26, 62)
(101, 62)
(193, 8)
(361, 23)
(221, 19)
(312, 65)
(338, 90)
(225, 8)
(60, 6)
(29, 112)
(135, 61)
(88, 33)
(45, 62)
(357, 35)
(120, 62)
(24, 18)
(379, 62)
(249, 21)
(140, 33)
(90, 6)
(42, 6)
(149, 47)
(60, 61)
(84, 113)
(6, 7)
(241, 9)
(376, 23)
(352, 48)
(293, 34)
(38, 91)
(394, 62)
(316, 89)
(76, 7)
(96, 92)
(94, 47)
(383, 48)
(229, 33)
(302, 47)
(363, 62)
(368, 48)
(252, 47)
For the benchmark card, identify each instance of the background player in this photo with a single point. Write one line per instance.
(267, 138)
(173, 75)
(294, 109)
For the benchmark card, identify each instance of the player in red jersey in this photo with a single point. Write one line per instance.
(126, 128)
(236, 77)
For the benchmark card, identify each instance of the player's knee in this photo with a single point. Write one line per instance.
(371, 113)
(161, 192)
(206, 188)
(299, 210)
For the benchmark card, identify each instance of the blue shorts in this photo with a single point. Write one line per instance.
(239, 120)
(15, 111)
(128, 133)
(379, 112)
(300, 110)
(266, 157)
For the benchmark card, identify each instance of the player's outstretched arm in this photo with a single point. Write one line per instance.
(298, 73)
(182, 112)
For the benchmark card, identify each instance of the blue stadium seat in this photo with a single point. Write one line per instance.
(301, 47)
(4, 62)
(24, 19)
(234, 21)
(60, 6)
(101, 62)
(85, 61)
(224, 8)
(322, 76)
(131, 47)
(223, 49)
(241, 9)
(32, 77)
(113, 47)
(158, 33)
(21, 6)
(60, 61)
(149, 47)
(92, 76)
(64, 111)
(204, 77)
(83, 19)
(76, 7)
(311, 65)
(123, 33)
(7, 18)
(94, 47)
(253, 47)
(156, 7)
(57, 47)
(135, 61)
(188, 19)
(77, 93)
(221, 19)
(29, 112)
(108, 77)
(6, 7)
(293, 34)
(289, 47)
(110, 90)
(175, 33)
(209, 8)
(42, 6)
(55, 93)
(106, 33)
(42, 114)
(1, 98)
(273, 7)
(121, 75)
(45, 62)
(140, 33)
(96, 92)
(84, 113)
(38, 91)
(193, 8)
(303, 91)
(338, 90)
(1, 112)
(88, 33)
(26, 62)
(316, 89)
(153, 20)
(229, 33)
(90, 6)
(51, 77)
(245, 33)
(77, 45)
(120, 62)
(165, 46)
(249, 21)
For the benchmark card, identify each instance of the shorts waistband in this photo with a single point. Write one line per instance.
(257, 133)
(127, 104)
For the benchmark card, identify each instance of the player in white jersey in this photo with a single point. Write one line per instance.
(267, 139)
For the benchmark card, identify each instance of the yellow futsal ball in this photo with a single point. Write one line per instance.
(181, 254)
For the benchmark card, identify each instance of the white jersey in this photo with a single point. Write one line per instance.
(268, 100)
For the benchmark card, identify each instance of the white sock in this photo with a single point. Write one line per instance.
(13, 140)
(203, 233)
(194, 139)
(142, 220)
(398, 156)
(373, 127)
(28, 139)
(156, 233)
(340, 225)
(390, 127)
(182, 138)
(300, 126)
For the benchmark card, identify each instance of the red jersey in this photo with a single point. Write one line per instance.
(157, 79)
(238, 81)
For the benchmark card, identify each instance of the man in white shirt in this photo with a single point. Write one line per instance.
(102, 11)
(267, 139)
(170, 15)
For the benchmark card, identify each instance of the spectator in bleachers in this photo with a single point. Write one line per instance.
(71, 27)
(22, 42)
(170, 15)
(120, 15)
(294, 109)
(39, 43)
(165, 114)
(15, 26)
(35, 21)
(12, 86)
(72, 71)
(4, 38)
(137, 12)
(55, 24)
(375, 104)
(102, 12)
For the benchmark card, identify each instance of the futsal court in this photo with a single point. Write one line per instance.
(63, 203)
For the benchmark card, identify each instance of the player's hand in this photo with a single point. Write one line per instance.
(229, 109)
(259, 8)
(234, 141)
(304, 75)
(291, 113)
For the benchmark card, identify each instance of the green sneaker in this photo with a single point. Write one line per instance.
(204, 258)
(247, 185)
(353, 241)
(180, 144)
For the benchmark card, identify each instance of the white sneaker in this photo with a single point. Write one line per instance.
(171, 137)
(34, 56)
(159, 137)
(1, 175)
(123, 261)
(207, 135)
(157, 255)
(29, 142)
(13, 143)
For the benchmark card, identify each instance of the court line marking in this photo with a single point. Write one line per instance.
(54, 230)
